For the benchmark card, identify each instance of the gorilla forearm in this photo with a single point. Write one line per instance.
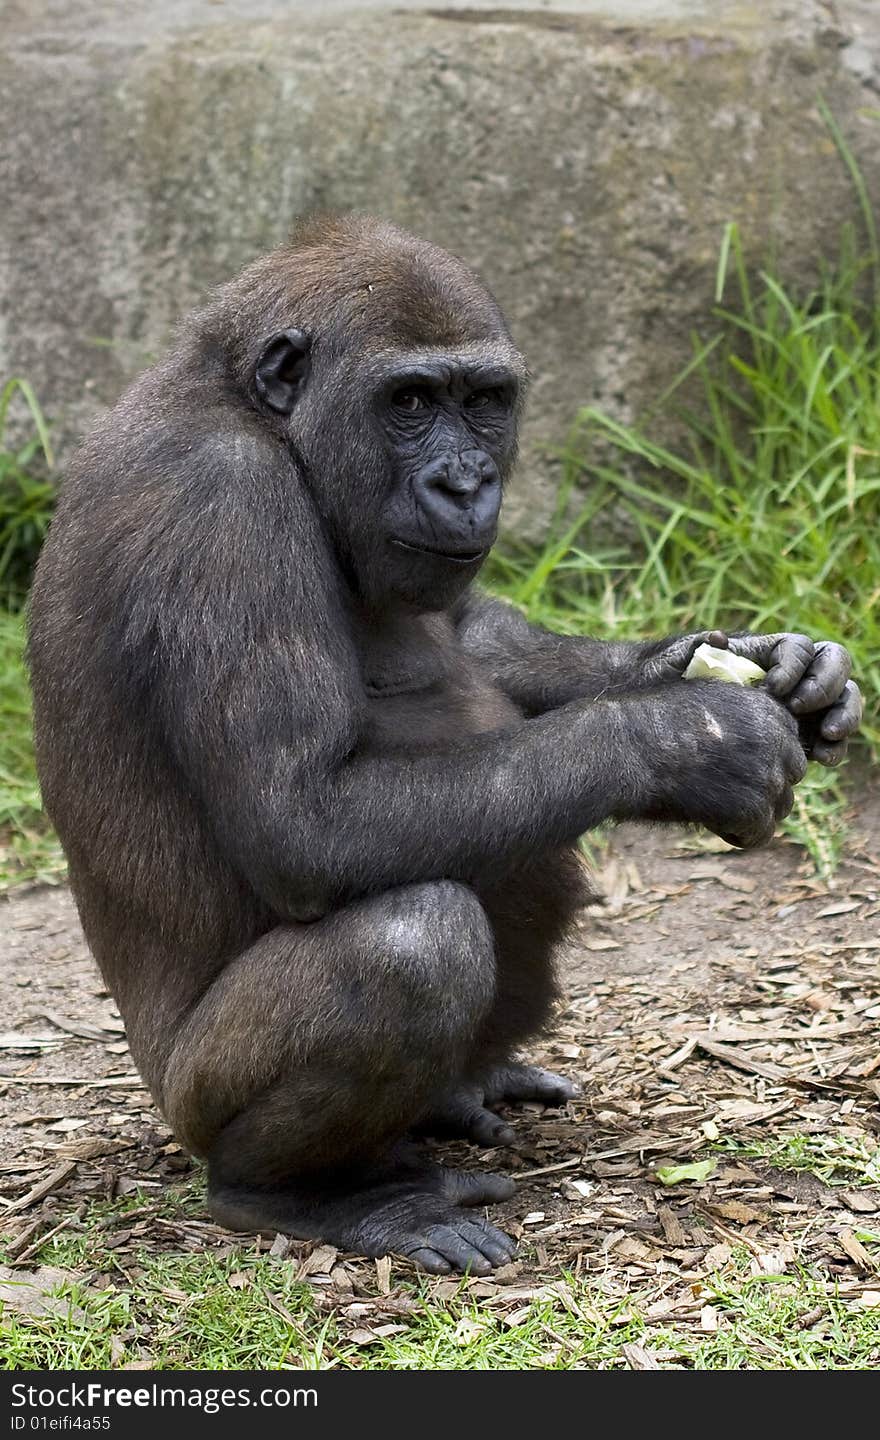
(540, 670)
(307, 842)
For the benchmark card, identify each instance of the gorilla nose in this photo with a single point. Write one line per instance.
(466, 489)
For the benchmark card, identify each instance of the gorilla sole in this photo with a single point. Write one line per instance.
(319, 796)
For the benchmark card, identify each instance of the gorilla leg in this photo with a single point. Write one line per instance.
(313, 1053)
(530, 915)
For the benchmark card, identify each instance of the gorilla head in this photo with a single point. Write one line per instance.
(393, 380)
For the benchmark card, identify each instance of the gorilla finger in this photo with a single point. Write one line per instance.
(450, 1244)
(788, 662)
(826, 753)
(560, 1092)
(844, 718)
(752, 834)
(824, 682)
(784, 804)
(465, 1187)
(430, 1260)
(487, 1128)
(795, 762)
(529, 1082)
(494, 1244)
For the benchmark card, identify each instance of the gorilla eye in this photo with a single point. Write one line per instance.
(409, 400)
(480, 399)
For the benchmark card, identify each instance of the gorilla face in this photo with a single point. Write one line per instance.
(449, 431)
(406, 454)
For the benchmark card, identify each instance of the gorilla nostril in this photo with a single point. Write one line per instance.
(464, 480)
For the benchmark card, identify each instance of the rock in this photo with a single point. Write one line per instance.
(584, 156)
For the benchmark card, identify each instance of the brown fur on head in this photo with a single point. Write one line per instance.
(357, 281)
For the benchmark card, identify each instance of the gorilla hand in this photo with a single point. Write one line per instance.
(733, 764)
(811, 678)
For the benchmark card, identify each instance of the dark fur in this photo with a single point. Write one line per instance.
(318, 796)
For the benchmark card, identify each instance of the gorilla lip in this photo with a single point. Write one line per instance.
(458, 557)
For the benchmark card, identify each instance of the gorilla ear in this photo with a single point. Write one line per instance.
(283, 369)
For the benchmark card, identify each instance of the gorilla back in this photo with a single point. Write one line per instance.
(318, 795)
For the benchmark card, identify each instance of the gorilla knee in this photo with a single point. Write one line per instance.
(437, 946)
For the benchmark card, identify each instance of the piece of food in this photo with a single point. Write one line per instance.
(709, 663)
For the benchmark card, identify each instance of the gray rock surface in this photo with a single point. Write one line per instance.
(584, 155)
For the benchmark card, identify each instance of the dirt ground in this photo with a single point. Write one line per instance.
(716, 1002)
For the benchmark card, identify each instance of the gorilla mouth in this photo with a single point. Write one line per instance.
(457, 557)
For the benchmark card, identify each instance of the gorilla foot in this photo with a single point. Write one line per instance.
(463, 1112)
(418, 1217)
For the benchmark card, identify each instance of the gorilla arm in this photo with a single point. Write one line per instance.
(541, 670)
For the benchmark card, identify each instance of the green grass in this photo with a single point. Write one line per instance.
(238, 1309)
(28, 850)
(834, 1159)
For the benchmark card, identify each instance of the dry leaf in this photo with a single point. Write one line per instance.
(638, 1358)
(736, 1210)
(717, 1256)
(320, 1262)
(467, 1330)
(89, 1147)
(370, 1337)
(82, 1028)
(856, 1250)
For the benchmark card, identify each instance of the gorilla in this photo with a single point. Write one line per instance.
(320, 796)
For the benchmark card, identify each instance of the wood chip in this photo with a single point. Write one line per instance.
(43, 1188)
(383, 1275)
(673, 1231)
(19, 1040)
(862, 1201)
